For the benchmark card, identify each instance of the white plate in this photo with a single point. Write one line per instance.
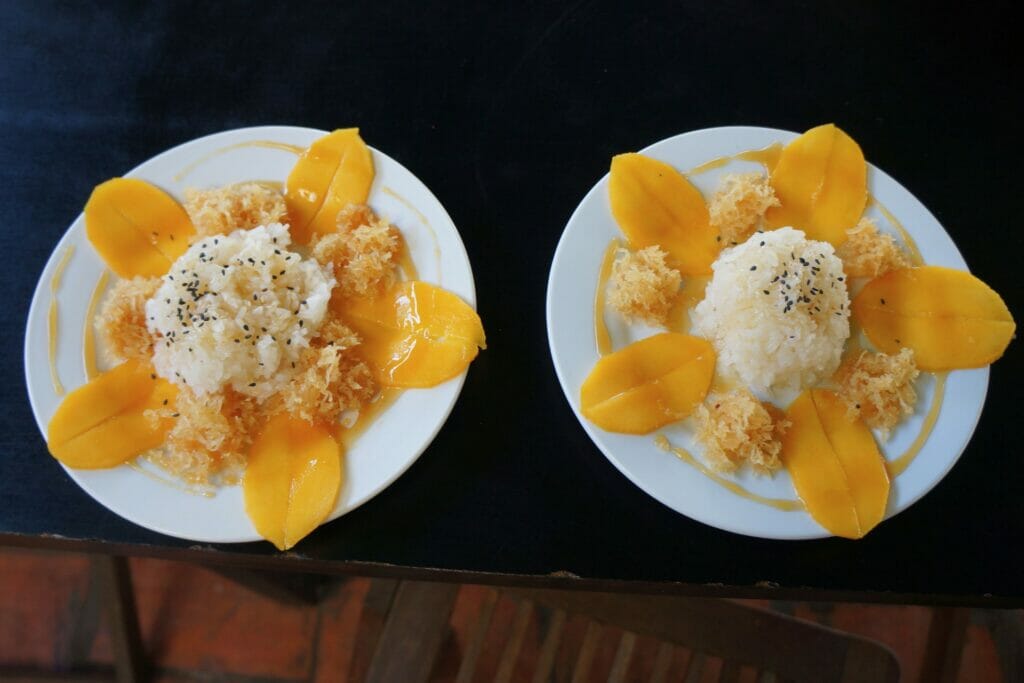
(571, 287)
(388, 447)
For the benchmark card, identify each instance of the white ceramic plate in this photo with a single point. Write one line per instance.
(388, 447)
(571, 287)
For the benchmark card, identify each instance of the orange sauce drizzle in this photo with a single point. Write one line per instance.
(367, 415)
(405, 260)
(267, 144)
(275, 185)
(721, 384)
(194, 489)
(604, 340)
(897, 466)
(908, 241)
(783, 504)
(426, 223)
(767, 157)
(690, 294)
(89, 329)
(53, 319)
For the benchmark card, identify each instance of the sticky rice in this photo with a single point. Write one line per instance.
(777, 311)
(237, 311)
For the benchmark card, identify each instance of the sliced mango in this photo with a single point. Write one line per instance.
(648, 384)
(654, 203)
(333, 172)
(137, 228)
(951, 319)
(414, 334)
(292, 479)
(821, 181)
(835, 465)
(102, 424)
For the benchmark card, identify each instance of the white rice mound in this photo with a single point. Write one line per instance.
(237, 310)
(777, 311)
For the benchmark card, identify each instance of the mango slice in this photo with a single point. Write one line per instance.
(821, 181)
(414, 334)
(102, 424)
(333, 172)
(648, 384)
(292, 479)
(654, 203)
(136, 227)
(835, 465)
(951, 319)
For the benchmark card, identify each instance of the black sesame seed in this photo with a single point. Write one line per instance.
(165, 401)
(765, 291)
(883, 301)
(753, 267)
(252, 384)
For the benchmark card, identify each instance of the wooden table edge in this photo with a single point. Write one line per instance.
(204, 554)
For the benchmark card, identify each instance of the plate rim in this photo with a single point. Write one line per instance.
(619, 464)
(39, 292)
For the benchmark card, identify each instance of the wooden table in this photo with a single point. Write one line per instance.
(510, 115)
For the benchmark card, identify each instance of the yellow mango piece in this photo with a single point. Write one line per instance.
(292, 479)
(414, 334)
(951, 319)
(137, 228)
(101, 424)
(655, 204)
(821, 181)
(648, 384)
(835, 465)
(333, 172)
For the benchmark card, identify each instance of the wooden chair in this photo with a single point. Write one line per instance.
(110, 596)
(764, 645)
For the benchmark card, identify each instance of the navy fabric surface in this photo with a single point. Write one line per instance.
(510, 115)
